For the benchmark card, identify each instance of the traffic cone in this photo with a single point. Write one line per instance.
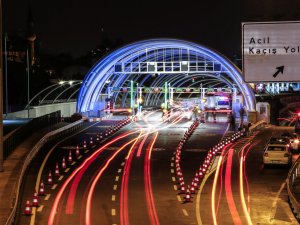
(182, 190)
(56, 170)
(27, 208)
(49, 180)
(70, 160)
(84, 143)
(35, 201)
(91, 141)
(63, 164)
(187, 197)
(42, 188)
(98, 138)
(193, 189)
(77, 151)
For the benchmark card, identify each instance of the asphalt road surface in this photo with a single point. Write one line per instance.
(130, 177)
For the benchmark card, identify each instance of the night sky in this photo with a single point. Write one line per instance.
(66, 26)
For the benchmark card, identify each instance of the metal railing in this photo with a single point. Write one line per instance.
(48, 137)
(257, 126)
(290, 181)
(14, 138)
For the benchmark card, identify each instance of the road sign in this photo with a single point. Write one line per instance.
(271, 51)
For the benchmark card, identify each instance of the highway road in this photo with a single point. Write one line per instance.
(131, 177)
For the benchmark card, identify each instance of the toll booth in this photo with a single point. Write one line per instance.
(263, 111)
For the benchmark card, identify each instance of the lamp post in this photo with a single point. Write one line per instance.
(28, 94)
(1, 93)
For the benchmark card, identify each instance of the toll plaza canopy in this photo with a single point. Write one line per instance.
(152, 63)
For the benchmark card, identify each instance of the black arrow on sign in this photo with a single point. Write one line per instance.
(279, 70)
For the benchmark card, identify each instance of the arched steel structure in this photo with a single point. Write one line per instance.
(54, 93)
(153, 62)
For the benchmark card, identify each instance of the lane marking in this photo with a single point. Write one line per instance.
(113, 212)
(172, 164)
(32, 219)
(123, 163)
(179, 198)
(185, 212)
(172, 158)
(79, 157)
(40, 209)
(61, 177)
(113, 198)
(117, 178)
(274, 203)
(86, 151)
(119, 170)
(73, 163)
(47, 197)
(173, 179)
(54, 186)
(115, 187)
(172, 170)
(66, 170)
(175, 187)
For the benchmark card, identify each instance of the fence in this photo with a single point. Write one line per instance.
(291, 181)
(13, 139)
(59, 133)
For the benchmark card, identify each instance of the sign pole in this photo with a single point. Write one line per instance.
(1, 93)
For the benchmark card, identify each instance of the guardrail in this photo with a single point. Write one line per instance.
(292, 176)
(48, 137)
(14, 138)
(257, 126)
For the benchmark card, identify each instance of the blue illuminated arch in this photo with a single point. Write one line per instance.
(95, 83)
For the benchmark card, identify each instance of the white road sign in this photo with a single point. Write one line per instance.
(271, 51)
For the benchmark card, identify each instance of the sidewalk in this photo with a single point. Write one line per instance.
(12, 167)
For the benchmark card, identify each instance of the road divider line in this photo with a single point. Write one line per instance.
(54, 187)
(123, 163)
(66, 170)
(178, 198)
(119, 170)
(60, 178)
(115, 187)
(172, 158)
(73, 163)
(47, 197)
(40, 209)
(86, 151)
(32, 221)
(113, 198)
(172, 170)
(173, 179)
(113, 212)
(175, 187)
(117, 178)
(172, 164)
(185, 212)
(79, 157)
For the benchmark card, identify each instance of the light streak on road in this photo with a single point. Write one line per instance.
(53, 211)
(77, 179)
(148, 186)
(96, 179)
(242, 159)
(230, 201)
(138, 154)
(124, 219)
(213, 193)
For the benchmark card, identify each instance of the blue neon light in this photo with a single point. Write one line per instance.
(95, 81)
